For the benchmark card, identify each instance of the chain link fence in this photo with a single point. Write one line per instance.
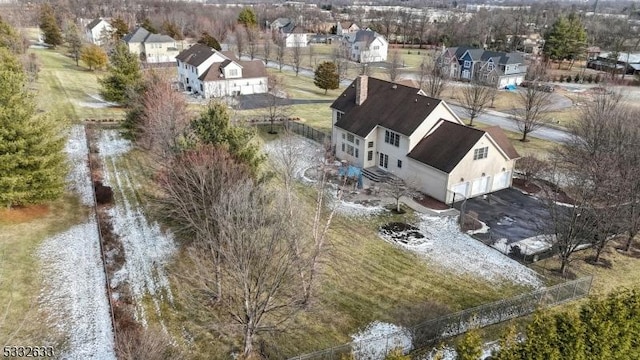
(308, 132)
(432, 331)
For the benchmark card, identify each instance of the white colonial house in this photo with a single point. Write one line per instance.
(291, 34)
(211, 73)
(365, 46)
(383, 126)
(345, 27)
(152, 48)
(97, 30)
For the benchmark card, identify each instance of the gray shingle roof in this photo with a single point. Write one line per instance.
(93, 23)
(196, 54)
(136, 36)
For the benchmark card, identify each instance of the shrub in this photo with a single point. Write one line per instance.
(576, 78)
(597, 79)
(590, 78)
(396, 354)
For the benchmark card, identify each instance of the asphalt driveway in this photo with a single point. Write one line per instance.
(510, 214)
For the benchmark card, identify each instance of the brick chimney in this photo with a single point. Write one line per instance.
(362, 83)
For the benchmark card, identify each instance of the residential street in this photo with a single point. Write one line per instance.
(491, 117)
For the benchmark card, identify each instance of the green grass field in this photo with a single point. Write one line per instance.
(70, 90)
(21, 232)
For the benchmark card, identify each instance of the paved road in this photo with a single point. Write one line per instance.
(491, 117)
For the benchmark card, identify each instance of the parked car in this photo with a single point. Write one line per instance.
(538, 86)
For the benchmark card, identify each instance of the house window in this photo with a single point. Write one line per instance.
(392, 138)
(515, 67)
(370, 144)
(355, 47)
(467, 63)
(357, 141)
(342, 147)
(376, 47)
(201, 87)
(343, 136)
(350, 149)
(508, 68)
(357, 151)
(384, 160)
(480, 153)
(350, 137)
(339, 115)
(233, 72)
(369, 155)
(490, 66)
(399, 163)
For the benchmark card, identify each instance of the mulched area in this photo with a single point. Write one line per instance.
(431, 203)
(535, 188)
(527, 187)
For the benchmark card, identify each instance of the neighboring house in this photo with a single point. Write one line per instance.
(379, 125)
(97, 30)
(211, 73)
(291, 34)
(365, 46)
(151, 48)
(496, 68)
(629, 63)
(345, 27)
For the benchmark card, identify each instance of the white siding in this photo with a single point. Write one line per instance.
(231, 87)
(395, 153)
(342, 137)
(429, 180)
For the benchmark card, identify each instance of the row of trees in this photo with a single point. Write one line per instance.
(32, 162)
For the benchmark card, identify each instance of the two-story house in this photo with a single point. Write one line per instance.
(291, 34)
(210, 73)
(97, 30)
(151, 48)
(396, 128)
(345, 27)
(499, 69)
(365, 46)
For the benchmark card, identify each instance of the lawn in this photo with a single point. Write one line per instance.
(70, 90)
(21, 232)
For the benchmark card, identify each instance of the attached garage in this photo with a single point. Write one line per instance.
(501, 180)
(460, 189)
(480, 186)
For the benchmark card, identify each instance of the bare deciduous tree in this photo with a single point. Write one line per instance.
(253, 36)
(339, 56)
(311, 53)
(164, 119)
(394, 64)
(531, 167)
(296, 56)
(397, 188)
(276, 106)
(239, 36)
(476, 98)
(280, 50)
(432, 78)
(532, 109)
(266, 49)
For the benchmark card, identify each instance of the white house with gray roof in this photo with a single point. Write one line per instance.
(97, 30)
(492, 67)
(365, 46)
(152, 48)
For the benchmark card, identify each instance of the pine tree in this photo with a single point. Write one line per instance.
(470, 346)
(214, 127)
(146, 23)
(566, 39)
(49, 26)
(10, 38)
(247, 17)
(120, 28)
(541, 339)
(31, 159)
(326, 76)
(124, 78)
(210, 41)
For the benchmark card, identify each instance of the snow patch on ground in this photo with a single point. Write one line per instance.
(99, 102)
(529, 246)
(78, 177)
(147, 249)
(307, 154)
(484, 228)
(379, 338)
(446, 245)
(75, 296)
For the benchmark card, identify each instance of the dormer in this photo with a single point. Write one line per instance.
(231, 69)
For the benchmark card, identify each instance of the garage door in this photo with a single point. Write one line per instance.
(480, 185)
(501, 180)
(460, 188)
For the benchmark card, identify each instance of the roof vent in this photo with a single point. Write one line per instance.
(394, 86)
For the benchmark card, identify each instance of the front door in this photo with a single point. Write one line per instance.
(384, 160)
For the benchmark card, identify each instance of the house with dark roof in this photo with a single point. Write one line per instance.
(365, 46)
(346, 27)
(291, 34)
(499, 69)
(150, 47)
(210, 73)
(389, 127)
(98, 30)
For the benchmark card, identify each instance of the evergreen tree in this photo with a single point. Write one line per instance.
(124, 78)
(470, 346)
(94, 57)
(49, 26)
(172, 30)
(214, 127)
(326, 76)
(566, 39)
(247, 17)
(146, 23)
(210, 41)
(32, 163)
(120, 28)
(10, 38)
(73, 40)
